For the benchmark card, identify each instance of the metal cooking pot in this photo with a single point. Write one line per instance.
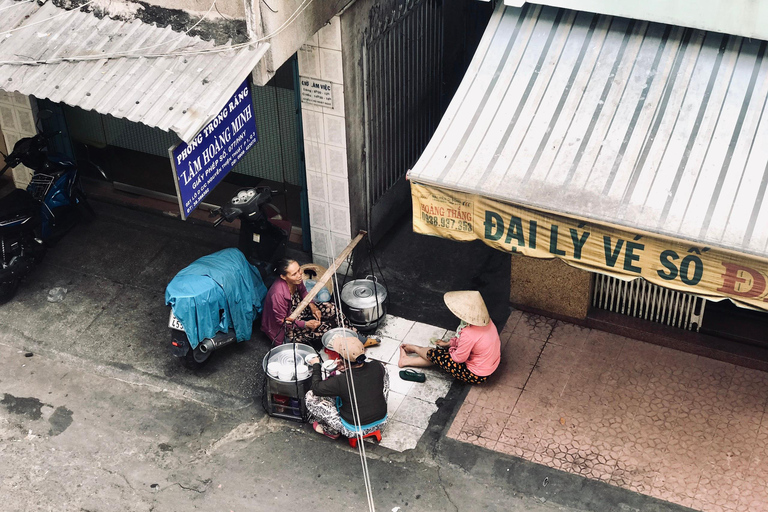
(337, 332)
(365, 300)
(285, 354)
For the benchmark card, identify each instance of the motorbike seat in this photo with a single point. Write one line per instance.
(17, 203)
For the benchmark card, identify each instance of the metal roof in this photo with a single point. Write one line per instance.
(178, 93)
(648, 126)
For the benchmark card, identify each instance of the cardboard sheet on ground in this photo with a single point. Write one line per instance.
(222, 281)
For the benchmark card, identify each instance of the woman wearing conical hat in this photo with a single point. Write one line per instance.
(470, 356)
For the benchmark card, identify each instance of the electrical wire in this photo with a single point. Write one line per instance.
(46, 20)
(129, 53)
(22, 2)
(351, 388)
(184, 34)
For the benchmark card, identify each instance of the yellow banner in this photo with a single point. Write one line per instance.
(699, 270)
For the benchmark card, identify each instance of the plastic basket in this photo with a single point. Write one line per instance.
(39, 185)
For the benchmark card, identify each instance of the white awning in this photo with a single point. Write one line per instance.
(652, 127)
(128, 69)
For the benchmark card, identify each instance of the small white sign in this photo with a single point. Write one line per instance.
(316, 92)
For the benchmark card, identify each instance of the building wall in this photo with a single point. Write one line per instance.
(355, 23)
(325, 140)
(288, 36)
(17, 120)
(550, 285)
(231, 8)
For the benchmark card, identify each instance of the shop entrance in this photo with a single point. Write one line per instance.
(135, 156)
(726, 320)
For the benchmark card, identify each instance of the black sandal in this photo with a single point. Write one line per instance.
(412, 375)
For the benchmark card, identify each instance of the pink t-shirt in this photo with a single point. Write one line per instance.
(478, 347)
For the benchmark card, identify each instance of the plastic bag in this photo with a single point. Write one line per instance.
(322, 296)
(56, 294)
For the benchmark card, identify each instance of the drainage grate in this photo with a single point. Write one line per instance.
(642, 299)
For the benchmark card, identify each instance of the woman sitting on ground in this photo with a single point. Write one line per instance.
(283, 297)
(473, 354)
(330, 402)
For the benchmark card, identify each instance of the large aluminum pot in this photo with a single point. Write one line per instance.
(290, 354)
(364, 300)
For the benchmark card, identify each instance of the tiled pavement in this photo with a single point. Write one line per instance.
(410, 404)
(679, 427)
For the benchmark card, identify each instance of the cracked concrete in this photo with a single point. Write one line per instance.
(136, 448)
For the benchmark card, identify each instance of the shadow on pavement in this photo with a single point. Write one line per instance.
(419, 269)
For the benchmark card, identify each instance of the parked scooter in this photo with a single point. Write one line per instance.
(262, 240)
(33, 218)
(227, 287)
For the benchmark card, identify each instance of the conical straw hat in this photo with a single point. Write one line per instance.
(468, 305)
(350, 348)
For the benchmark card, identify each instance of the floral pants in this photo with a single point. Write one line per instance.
(323, 410)
(443, 359)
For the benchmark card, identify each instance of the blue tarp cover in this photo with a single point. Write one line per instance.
(220, 282)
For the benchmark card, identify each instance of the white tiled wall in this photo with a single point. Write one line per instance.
(17, 121)
(325, 141)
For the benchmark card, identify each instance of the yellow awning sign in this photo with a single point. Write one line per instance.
(678, 264)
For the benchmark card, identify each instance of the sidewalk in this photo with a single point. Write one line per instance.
(675, 426)
(410, 406)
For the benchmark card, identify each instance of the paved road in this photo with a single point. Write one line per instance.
(115, 270)
(72, 439)
(101, 418)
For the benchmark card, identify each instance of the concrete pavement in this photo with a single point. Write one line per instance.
(74, 440)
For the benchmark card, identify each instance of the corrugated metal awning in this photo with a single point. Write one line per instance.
(155, 76)
(652, 127)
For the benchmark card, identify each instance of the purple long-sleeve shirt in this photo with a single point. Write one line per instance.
(277, 307)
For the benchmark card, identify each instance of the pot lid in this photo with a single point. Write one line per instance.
(362, 294)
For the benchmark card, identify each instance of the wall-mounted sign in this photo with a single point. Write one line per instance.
(316, 92)
(198, 166)
(678, 264)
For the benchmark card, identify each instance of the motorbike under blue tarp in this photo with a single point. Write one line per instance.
(215, 293)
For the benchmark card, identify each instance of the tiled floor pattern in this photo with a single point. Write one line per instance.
(679, 427)
(410, 404)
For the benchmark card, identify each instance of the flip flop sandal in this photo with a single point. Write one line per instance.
(316, 426)
(412, 375)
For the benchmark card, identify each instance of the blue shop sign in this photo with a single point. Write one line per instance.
(203, 162)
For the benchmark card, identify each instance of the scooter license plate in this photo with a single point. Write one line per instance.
(174, 323)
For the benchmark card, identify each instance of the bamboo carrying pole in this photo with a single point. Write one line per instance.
(326, 276)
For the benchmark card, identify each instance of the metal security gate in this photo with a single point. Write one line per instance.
(641, 299)
(402, 67)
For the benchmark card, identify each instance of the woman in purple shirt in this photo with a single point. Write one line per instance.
(283, 297)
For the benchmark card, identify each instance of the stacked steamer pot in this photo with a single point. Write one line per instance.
(364, 302)
(284, 393)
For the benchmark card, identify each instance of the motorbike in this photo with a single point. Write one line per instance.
(263, 235)
(35, 218)
(216, 299)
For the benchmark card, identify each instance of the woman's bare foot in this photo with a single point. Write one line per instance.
(404, 357)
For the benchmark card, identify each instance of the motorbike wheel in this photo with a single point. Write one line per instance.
(83, 204)
(8, 290)
(195, 358)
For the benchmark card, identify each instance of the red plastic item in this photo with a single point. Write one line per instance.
(331, 353)
(375, 433)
